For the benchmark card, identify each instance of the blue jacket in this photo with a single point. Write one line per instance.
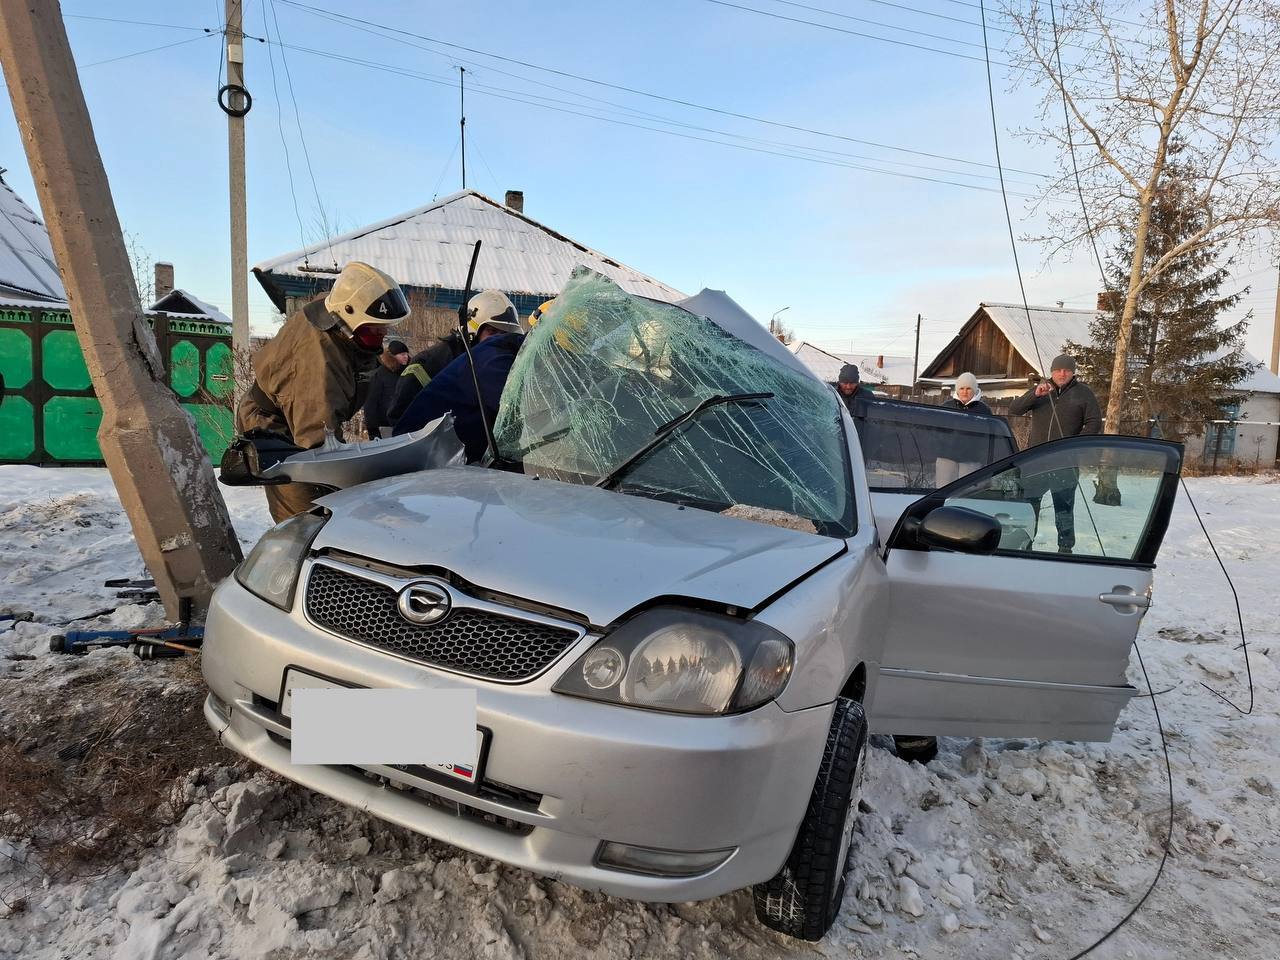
(452, 391)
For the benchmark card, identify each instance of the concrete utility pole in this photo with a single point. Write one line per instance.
(915, 363)
(235, 102)
(160, 470)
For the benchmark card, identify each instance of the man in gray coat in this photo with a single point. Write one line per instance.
(1060, 407)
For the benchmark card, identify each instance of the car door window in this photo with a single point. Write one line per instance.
(1101, 497)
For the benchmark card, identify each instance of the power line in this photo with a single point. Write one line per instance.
(139, 53)
(874, 23)
(332, 15)
(306, 153)
(288, 164)
(738, 146)
(921, 12)
(137, 23)
(853, 33)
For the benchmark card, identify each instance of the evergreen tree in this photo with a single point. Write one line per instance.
(1181, 362)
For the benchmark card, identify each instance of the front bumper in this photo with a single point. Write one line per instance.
(561, 775)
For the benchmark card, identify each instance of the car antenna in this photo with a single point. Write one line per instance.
(466, 346)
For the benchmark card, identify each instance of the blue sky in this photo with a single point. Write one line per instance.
(853, 254)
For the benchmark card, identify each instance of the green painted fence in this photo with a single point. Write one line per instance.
(50, 415)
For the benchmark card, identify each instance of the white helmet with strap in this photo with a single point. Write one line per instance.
(364, 294)
(492, 308)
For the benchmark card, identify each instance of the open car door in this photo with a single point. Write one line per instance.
(995, 628)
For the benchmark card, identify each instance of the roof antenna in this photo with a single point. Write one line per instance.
(466, 345)
(462, 123)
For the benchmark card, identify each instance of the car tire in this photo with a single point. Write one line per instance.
(803, 900)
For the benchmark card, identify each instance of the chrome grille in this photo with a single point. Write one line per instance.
(476, 642)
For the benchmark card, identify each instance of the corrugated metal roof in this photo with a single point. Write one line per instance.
(173, 299)
(431, 247)
(1054, 328)
(26, 257)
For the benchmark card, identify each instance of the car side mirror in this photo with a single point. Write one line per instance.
(961, 529)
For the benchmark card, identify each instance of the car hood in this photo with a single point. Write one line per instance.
(594, 552)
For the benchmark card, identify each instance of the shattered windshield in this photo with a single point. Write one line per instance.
(604, 370)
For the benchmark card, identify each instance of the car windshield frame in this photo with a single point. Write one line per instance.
(605, 371)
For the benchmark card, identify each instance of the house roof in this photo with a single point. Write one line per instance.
(27, 267)
(1055, 327)
(826, 364)
(431, 247)
(179, 301)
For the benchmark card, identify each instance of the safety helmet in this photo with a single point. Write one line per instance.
(363, 294)
(492, 308)
(538, 311)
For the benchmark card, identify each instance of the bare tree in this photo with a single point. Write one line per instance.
(1124, 81)
(143, 266)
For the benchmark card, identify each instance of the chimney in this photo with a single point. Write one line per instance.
(515, 200)
(164, 280)
(880, 361)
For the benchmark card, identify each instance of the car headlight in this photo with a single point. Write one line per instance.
(270, 571)
(683, 661)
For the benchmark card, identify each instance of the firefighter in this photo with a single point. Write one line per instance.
(495, 331)
(311, 376)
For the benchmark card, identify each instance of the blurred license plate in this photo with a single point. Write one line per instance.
(295, 679)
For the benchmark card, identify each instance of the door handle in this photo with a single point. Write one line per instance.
(1133, 601)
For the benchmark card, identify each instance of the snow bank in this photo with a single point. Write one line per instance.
(998, 848)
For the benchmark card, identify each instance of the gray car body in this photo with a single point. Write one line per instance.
(590, 557)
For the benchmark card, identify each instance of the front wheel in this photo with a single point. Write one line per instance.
(804, 898)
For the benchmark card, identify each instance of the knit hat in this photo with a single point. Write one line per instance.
(970, 381)
(397, 346)
(1063, 362)
(850, 373)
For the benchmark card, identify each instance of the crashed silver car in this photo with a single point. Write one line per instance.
(683, 608)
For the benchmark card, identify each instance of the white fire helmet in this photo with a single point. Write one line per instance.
(492, 308)
(363, 294)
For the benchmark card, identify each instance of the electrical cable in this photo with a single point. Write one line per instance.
(139, 53)
(137, 23)
(332, 15)
(875, 23)
(288, 165)
(302, 138)
(854, 33)
(1244, 643)
(739, 146)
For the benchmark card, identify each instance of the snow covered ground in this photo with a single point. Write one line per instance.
(996, 849)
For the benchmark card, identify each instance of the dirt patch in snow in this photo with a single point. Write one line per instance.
(96, 756)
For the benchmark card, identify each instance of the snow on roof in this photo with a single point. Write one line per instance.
(826, 364)
(431, 247)
(27, 266)
(173, 300)
(1056, 326)
(1261, 380)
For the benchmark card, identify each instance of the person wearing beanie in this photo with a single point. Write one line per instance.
(1059, 407)
(849, 385)
(967, 397)
(382, 387)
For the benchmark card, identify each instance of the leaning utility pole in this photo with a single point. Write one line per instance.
(235, 102)
(160, 470)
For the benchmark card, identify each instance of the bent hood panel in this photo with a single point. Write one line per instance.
(594, 552)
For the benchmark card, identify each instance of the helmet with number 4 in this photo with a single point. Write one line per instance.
(367, 301)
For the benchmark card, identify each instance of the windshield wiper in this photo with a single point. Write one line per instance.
(670, 427)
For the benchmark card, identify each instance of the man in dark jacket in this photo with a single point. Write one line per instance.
(496, 329)
(382, 387)
(1064, 407)
(849, 385)
(422, 366)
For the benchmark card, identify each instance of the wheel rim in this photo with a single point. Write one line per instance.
(850, 816)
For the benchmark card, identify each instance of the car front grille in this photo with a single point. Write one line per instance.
(480, 643)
